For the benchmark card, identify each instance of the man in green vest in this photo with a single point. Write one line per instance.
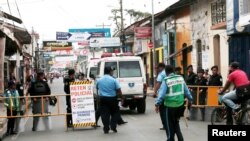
(12, 104)
(173, 92)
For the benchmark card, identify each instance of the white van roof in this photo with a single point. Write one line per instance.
(121, 58)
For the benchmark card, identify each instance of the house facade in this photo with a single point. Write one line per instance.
(208, 35)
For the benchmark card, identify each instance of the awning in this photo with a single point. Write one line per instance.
(22, 36)
(10, 17)
(179, 51)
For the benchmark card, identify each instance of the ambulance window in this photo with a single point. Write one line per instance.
(129, 69)
(93, 72)
(112, 65)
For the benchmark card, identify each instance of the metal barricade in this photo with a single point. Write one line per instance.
(211, 95)
(28, 102)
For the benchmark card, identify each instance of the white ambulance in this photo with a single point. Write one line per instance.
(92, 68)
(130, 73)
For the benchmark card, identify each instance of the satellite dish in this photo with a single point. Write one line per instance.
(238, 27)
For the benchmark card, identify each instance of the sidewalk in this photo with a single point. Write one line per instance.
(150, 91)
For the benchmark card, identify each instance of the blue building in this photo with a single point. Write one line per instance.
(238, 30)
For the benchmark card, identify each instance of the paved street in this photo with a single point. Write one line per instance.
(140, 127)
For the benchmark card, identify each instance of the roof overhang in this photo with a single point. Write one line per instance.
(21, 34)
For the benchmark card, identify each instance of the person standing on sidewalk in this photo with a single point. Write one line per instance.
(173, 92)
(215, 79)
(67, 80)
(39, 88)
(161, 75)
(108, 90)
(201, 81)
(12, 104)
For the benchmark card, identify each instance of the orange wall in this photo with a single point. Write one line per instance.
(183, 33)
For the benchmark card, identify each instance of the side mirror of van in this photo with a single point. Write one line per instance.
(92, 76)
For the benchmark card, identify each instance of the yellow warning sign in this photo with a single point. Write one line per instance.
(84, 124)
(80, 82)
(82, 103)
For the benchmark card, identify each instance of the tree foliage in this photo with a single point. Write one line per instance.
(136, 15)
(133, 14)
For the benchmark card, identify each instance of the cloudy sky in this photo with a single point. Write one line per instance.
(49, 16)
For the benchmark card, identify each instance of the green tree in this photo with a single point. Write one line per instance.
(136, 15)
(133, 14)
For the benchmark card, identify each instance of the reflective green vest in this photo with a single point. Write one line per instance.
(12, 100)
(175, 91)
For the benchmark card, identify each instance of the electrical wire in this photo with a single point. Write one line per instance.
(20, 15)
(10, 12)
(9, 6)
(18, 10)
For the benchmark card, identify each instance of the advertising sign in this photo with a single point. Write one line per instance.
(55, 45)
(77, 52)
(143, 32)
(65, 58)
(94, 32)
(165, 46)
(83, 43)
(62, 35)
(82, 103)
(105, 42)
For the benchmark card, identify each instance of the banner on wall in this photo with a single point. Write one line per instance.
(143, 32)
(165, 46)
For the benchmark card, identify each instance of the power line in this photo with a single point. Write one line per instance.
(9, 6)
(20, 14)
(18, 10)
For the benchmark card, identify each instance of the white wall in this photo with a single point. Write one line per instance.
(200, 29)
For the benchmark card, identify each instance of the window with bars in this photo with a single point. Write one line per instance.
(218, 11)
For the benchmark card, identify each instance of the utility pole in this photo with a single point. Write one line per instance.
(153, 42)
(122, 36)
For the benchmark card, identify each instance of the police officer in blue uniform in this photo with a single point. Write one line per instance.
(108, 90)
